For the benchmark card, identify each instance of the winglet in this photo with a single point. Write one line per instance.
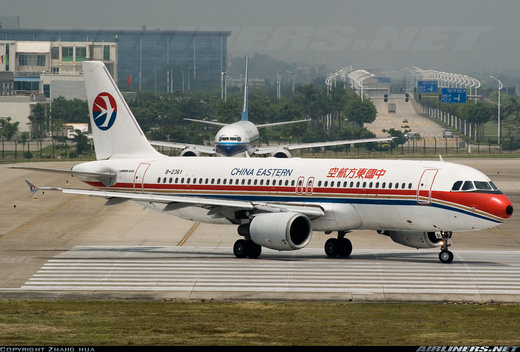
(440, 158)
(32, 188)
(244, 111)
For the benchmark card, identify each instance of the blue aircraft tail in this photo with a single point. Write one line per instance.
(244, 111)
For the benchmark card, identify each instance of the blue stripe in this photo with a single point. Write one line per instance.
(366, 201)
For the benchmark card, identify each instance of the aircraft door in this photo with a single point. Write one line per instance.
(424, 189)
(139, 176)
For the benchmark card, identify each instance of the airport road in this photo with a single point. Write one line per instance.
(406, 118)
(66, 246)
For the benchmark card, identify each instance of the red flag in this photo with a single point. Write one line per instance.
(129, 80)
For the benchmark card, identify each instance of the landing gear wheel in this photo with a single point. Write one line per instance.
(240, 248)
(253, 250)
(345, 247)
(446, 257)
(246, 248)
(332, 247)
(338, 247)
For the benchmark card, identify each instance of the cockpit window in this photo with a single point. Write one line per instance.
(483, 185)
(474, 185)
(456, 186)
(467, 186)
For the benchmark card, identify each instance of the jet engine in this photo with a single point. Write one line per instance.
(415, 239)
(284, 231)
(281, 153)
(190, 152)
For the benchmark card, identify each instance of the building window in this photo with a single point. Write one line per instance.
(106, 52)
(67, 53)
(81, 54)
(31, 60)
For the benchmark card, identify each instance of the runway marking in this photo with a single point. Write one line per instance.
(196, 270)
(41, 217)
(188, 234)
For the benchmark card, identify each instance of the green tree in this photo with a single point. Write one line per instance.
(360, 112)
(8, 129)
(512, 110)
(39, 121)
(477, 114)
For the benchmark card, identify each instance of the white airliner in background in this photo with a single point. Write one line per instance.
(239, 137)
(278, 203)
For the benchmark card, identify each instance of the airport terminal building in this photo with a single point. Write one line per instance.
(159, 60)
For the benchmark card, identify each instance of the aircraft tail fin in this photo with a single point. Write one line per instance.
(244, 111)
(114, 128)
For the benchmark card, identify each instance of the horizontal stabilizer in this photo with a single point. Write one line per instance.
(107, 178)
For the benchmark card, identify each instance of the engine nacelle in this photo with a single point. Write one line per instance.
(415, 239)
(282, 153)
(284, 231)
(190, 152)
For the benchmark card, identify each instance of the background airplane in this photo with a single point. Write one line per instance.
(239, 137)
(278, 203)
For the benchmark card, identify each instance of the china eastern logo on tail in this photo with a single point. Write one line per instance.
(104, 111)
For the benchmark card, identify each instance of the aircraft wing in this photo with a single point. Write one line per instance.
(176, 202)
(208, 122)
(107, 178)
(268, 150)
(280, 123)
(207, 149)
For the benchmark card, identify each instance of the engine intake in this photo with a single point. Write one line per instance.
(281, 153)
(415, 239)
(190, 152)
(285, 231)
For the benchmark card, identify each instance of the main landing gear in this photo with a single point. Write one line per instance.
(246, 248)
(338, 247)
(445, 256)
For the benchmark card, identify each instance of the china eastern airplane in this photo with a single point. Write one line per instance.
(278, 203)
(239, 137)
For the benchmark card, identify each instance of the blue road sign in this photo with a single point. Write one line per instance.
(453, 95)
(427, 86)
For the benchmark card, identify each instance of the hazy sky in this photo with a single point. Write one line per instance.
(458, 36)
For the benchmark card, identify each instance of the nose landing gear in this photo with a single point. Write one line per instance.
(445, 256)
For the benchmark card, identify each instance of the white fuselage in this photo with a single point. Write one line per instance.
(354, 194)
(236, 138)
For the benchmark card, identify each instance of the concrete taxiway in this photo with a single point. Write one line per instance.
(67, 246)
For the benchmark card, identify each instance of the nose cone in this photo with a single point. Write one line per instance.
(230, 149)
(500, 206)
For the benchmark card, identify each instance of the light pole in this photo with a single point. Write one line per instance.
(500, 86)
